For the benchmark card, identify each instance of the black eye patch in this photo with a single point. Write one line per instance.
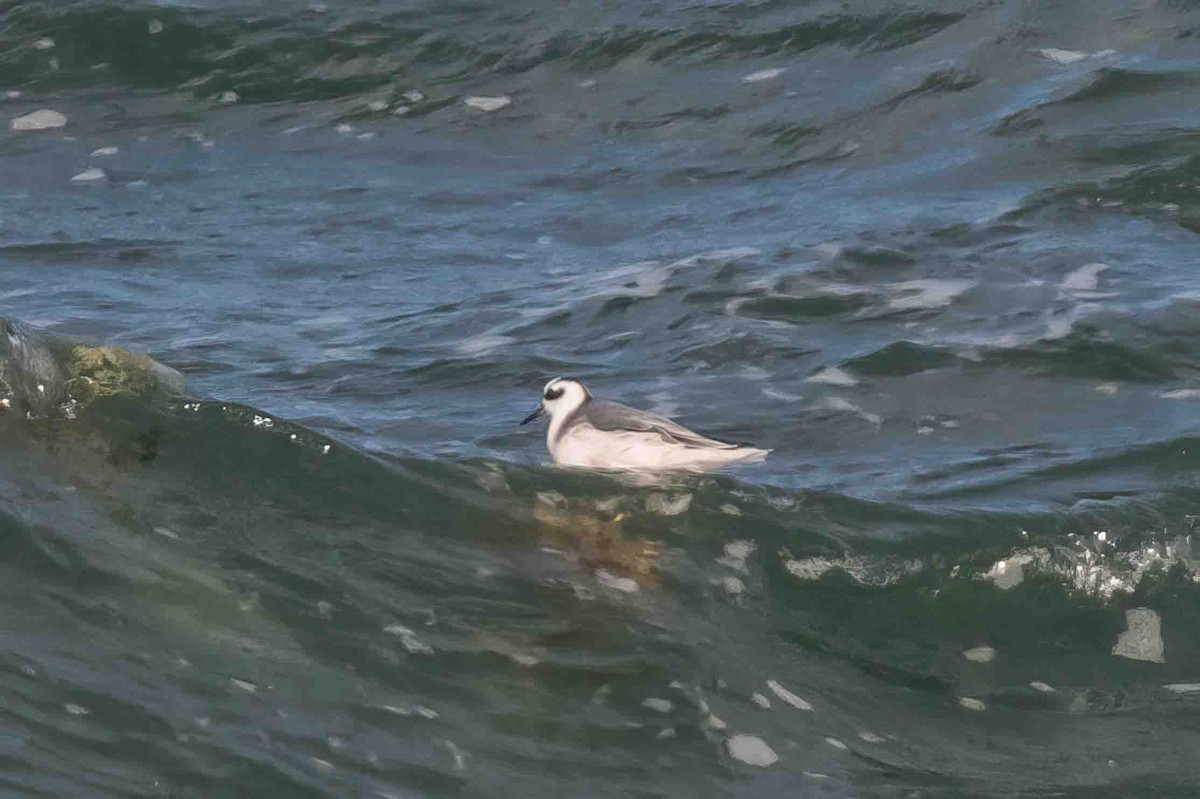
(553, 394)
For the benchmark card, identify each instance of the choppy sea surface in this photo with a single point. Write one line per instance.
(941, 257)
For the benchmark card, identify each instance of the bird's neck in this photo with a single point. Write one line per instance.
(558, 424)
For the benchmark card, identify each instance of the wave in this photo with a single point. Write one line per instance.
(330, 53)
(261, 557)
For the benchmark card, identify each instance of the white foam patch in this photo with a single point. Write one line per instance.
(833, 376)
(871, 737)
(971, 704)
(93, 175)
(482, 345)
(625, 585)
(755, 373)
(872, 572)
(488, 103)
(76, 710)
(980, 654)
(760, 76)
(723, 254)
(839, 290)
(782, 396)
(1181, 394)
(1085, 278)
(1045, 688)
(409, 712)
(751, 750)
(788, 696)
(1142, 640)
(844, 405)
(460, 757)
(836, 744)
(1183, 687)
(925, 294)
(1094, 567)
(761, 701)
(1010, 572)
(524, 659)
(733, 585)
(735, 555)
(1059, 56)
(100, 152)
(409, 639)
(244, 685)
(643, 279)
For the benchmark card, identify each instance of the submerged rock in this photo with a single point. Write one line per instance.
(668, 504)
(41, 376)
(112, 370)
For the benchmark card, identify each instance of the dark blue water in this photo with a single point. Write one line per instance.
(941, 258)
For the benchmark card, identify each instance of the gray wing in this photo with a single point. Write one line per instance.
(612, 416)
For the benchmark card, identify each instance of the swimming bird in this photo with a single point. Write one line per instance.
(585, 431)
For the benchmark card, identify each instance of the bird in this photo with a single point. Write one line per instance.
(598, 434)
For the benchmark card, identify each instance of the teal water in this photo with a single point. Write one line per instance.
(939, 257)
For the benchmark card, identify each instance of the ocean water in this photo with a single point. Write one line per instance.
(940, 257)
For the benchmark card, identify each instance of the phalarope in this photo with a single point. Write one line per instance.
(607, 435)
